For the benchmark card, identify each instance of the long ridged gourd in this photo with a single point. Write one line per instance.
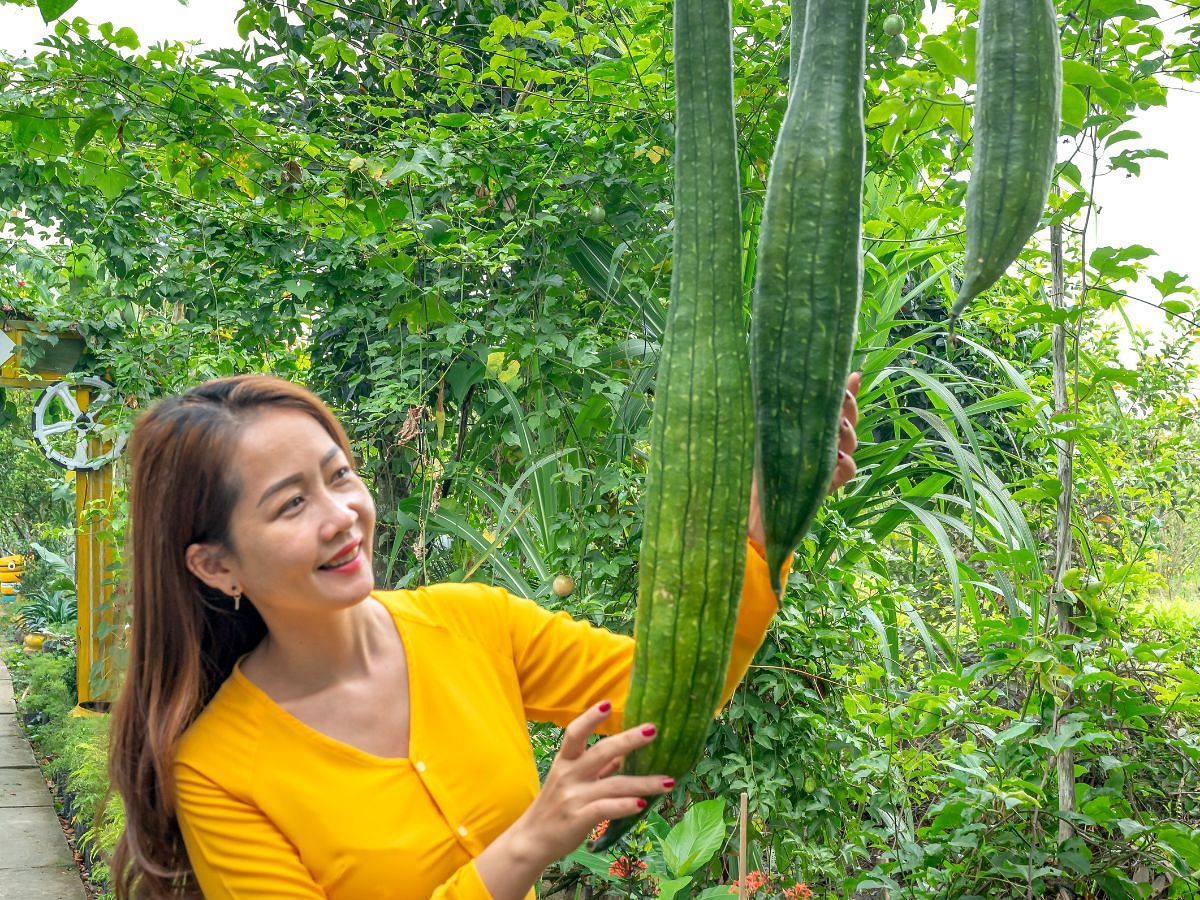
(698, 478)
(808, 284)
(1018, 74)
(795, 40)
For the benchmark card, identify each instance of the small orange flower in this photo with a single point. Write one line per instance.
(798, 891)
(624, 867)
(598, 831)
(755, 881)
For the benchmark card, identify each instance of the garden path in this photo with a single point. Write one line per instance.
(35, 862)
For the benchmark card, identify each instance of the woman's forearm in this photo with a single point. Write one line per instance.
(508, 868)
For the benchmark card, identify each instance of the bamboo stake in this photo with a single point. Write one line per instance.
(744, 817)
(1065, 761)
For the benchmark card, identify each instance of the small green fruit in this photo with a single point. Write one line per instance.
(597, 214)
(564, 586)
(893, 25)
(897, 46)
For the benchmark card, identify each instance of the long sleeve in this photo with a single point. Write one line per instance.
(564, 665)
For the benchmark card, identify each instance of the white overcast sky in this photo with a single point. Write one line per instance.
(1157, 209)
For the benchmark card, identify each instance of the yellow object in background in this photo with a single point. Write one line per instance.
(11, 568)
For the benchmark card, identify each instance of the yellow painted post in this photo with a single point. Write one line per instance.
(95, 632)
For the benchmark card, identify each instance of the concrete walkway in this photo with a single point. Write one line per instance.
(35, 862)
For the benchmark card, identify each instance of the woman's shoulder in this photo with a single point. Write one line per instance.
(226, 731)
(464, 607)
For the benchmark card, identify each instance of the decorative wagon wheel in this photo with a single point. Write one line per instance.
(67, 434)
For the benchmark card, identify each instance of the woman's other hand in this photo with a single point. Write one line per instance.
(843, 471)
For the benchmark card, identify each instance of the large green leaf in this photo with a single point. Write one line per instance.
(697, 837)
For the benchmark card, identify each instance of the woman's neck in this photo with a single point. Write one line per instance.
(308, 653)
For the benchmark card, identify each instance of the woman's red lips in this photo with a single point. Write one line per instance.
(343, 556)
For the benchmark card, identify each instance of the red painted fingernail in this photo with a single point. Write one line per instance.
(641, 803)
(846, 422)
(668, 782)
(605, 706)
(841, 454)
(649, 731)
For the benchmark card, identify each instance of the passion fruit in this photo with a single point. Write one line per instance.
(897, 46)
(893, 25)
(597, 214)
(564, 585)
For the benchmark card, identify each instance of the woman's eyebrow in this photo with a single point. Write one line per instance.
(295, 479)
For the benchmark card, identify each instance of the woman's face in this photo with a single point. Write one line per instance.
(303, 523)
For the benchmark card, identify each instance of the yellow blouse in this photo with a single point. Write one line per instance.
(269, 807)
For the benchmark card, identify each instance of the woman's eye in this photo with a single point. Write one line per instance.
(341, 473)
(292, 504)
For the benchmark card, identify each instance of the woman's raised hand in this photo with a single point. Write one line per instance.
(579, 793)
(581, 790)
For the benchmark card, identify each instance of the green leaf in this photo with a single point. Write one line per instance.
(595, 863)
(1076, 72)
(1078, 861)
(1170, 283)
(52, 9)
(126, 37)
(455, 120)
(948, 62)
(299, 287)
(96, 119)
(669, 887)
(697, 837)
(1074, 106)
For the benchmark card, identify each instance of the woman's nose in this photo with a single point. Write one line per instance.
(340, 517)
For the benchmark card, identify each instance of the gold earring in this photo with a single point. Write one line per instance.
(237, 598)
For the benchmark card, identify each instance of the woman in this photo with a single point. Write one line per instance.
(286, 731)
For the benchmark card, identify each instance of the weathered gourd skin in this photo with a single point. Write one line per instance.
(1018, 96)
(809, 279)
(701, 452)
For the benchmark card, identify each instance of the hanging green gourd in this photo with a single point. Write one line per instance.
(809, 278)
(698, 477)
(1018, 78)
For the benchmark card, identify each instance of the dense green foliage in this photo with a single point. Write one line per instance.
(398, 205)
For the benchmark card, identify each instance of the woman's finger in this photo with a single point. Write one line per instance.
(602, 753)
(850, 400)
(576, 735)
(847, 438)
(612, 766)
(613, 808)
(843, 472)
(629, 786)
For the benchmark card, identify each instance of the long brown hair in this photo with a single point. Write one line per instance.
(185, 637)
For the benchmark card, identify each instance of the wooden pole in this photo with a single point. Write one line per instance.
(1065, 760)
(743, 893)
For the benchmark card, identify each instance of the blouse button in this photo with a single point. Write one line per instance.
(462, 830)
(420, 766)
